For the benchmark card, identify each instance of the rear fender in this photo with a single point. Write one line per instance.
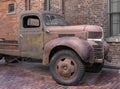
(81, 47)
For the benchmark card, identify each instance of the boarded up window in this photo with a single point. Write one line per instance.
(10, 8)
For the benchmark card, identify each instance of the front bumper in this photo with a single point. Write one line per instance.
(98, 50)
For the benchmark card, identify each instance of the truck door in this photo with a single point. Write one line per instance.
(31, 36)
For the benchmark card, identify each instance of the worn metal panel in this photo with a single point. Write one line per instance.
(31, 40)
(31, 44)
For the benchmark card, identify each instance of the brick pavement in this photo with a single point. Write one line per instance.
(36, 76)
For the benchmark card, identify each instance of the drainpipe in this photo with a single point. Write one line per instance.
(63, 7)
(109, 20)
(48, 5)
(28, 5)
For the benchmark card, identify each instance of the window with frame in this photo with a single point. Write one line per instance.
(31, 21)
(114, 17)
(11, 8)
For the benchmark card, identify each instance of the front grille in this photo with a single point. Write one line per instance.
(95, 35)
(98, 51)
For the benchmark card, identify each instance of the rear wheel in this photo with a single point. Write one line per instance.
(66, 68)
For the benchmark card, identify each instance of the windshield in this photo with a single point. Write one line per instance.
(54, 20)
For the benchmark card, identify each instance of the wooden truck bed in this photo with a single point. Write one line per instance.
(9, 48)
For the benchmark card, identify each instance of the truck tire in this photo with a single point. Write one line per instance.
(95, 68)
(66, 67)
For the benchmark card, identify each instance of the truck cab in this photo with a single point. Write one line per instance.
(69, 50)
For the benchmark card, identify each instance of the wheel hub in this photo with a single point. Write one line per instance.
(66, 68)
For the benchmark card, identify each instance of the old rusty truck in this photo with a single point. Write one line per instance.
(68, 50)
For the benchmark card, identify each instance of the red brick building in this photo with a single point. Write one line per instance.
(105, 13)
(9, 12)
(75, 12)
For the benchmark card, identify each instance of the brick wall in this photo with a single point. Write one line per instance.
(56, 6)
(76, 12)
(37, 4)
(9, 21)
(114, 51)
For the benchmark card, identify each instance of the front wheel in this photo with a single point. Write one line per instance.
(66, 67)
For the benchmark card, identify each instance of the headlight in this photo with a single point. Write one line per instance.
(94, 35)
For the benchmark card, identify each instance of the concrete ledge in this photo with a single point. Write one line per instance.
(115, 39)
(11, 13)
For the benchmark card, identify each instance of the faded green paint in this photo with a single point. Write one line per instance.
(36, 41)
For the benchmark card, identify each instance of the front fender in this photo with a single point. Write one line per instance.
(81, 47)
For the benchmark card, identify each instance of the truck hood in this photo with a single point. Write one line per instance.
(76, 28)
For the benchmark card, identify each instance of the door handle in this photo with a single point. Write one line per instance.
(21, 35)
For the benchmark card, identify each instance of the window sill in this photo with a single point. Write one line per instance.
(115, 39)
(10, 13)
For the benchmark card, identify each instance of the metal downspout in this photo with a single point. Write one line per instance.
(28, 4)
